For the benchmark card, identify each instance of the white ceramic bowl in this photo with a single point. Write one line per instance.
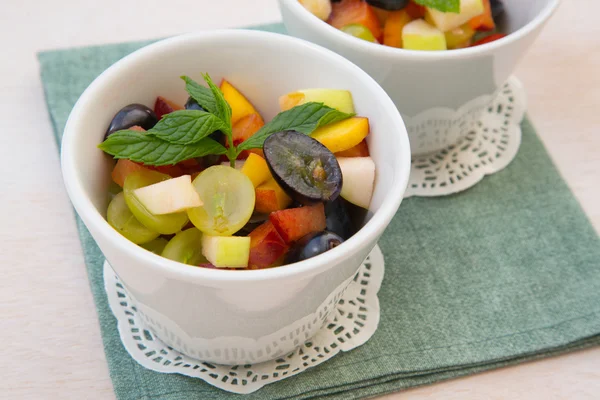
(432, 89)
(231, 317)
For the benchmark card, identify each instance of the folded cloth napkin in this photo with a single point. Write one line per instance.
(505, 272)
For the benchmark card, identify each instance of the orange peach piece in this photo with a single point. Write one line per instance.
(240, 106)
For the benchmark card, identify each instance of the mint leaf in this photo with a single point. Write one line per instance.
(186, 126)
(222, 108)
(151, 150)
(304, 118)
(203, 95)
(441, 5)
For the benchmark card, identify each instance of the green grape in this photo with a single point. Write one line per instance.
(228, 197)
(120, 217)
(186, 247)
(359, 31)
(166, 224)
(156, 246)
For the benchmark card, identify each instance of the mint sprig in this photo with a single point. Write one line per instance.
(441, 5)
(150, 150)
(203, 95)
(187, 126)
(181, 135)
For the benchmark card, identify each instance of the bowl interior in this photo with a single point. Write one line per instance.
(262, 66)
(519, 13)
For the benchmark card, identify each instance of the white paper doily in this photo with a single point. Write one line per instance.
(350, 325)
(489, 132)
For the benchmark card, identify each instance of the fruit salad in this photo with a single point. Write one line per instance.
(210, 184)
(413, 24)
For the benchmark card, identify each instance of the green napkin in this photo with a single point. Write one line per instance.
(505, 272)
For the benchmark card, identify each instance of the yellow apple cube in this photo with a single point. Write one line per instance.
(419, 35)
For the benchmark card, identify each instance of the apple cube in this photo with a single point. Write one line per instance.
(319, 8)
(256, 169)
(240, 106)
(270, 197)
(342, 135)
(170, 196)
(226, 251)
(266, 246)
(419, 35)
(446, 21)
(341, 100)
(358, 175)
(294, 223)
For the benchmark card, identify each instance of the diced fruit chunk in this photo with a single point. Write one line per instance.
(244, 129)
(165, 224)
(348, 12)
(359, 180)
(256, 169)
(294, 223)
(360, 32)
(342, 135)
(484, 21)
(319, 8)
(271, 197)
(120, 217)
(266, 246)
(460, 37)
(164, 106)
(240, 106)
(382, 15)
(419, 35)
(228, 197)
(360, 150)
(335, 98)
(123, 168)
(226, 251)
(170, 196)
(392, 31)
(304, 168)
(415, 10)
(489, 39)
(446, 21)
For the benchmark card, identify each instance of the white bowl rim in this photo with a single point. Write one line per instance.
(179, 271)
(419, 55)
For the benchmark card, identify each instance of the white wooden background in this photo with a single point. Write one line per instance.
(51, 343)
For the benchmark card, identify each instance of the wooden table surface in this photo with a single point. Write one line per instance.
(52, 346)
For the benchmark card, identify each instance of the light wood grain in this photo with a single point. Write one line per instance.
(52, 347)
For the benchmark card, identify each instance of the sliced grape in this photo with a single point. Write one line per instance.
(165, 224)
(228, 197)
(122, 219)
(156, 246)
(186, 247)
